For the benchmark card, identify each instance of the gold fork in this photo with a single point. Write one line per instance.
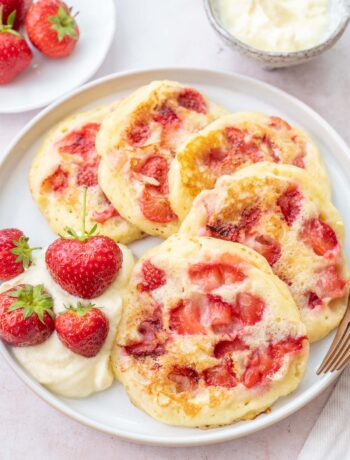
(338, 355)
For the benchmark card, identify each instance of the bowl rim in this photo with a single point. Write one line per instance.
(314, 50)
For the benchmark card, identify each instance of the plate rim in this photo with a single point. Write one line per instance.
(210, 436)
(86, 77)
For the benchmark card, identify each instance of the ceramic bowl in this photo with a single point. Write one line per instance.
(339, 19)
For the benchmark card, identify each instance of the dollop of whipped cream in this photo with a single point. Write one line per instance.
(52, 363)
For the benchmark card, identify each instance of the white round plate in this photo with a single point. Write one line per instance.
(46, 79)
(111, 411)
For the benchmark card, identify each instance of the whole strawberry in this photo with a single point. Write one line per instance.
(83, 329)
(15, 54)
(52, 28)
(20, 6)
(84, 264)
(15, 253)
(26, 315)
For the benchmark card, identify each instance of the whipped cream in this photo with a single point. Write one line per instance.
(276, 25)
(52, 363)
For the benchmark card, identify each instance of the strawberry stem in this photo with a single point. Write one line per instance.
(84, 234)
(80, 308)
(64, 23)
(10, 22)
(33, 299)
(23, 251)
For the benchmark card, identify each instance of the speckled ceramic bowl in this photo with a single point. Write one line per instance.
(340, 17)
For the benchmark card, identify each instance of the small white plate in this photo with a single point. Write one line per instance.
(111, 410)
(48, 79)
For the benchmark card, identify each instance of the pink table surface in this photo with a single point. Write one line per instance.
(157, 33)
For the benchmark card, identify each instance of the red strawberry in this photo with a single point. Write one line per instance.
(80, 141)
(155, 206)
(20, 6)
(26, 315)
(330, 284)
(15, 54)
(185, 378)
(152, 277)
(264, 245)
(192, 100)
(289, 202)
(320, 236)
(57, 181)
(52, 28)
(228, 346)
(15, 253)
(221, 375)
(213, 275)
(250, 307)
(82, 329)
(166, 116)
(84, 265)
(149, 345)
(138, 134)
(185, 318)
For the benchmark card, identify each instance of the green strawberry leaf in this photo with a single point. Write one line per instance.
(33, 300)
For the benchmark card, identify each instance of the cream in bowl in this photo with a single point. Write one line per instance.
(279, 32)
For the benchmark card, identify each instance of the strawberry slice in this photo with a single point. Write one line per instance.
(290, 204)
(138, 134)
(224, 347)
(191, 99)
(299, 161)
(235, 137)
(223, 231)
(221, 375)
(150, 345)
(58, 181)
(156, 207)
(152, 277)
(250, 307)
(185, 318)
(87, 173)
(80, 141)
(220, 315)
(279, 123)
(103, 216)
(330, 284)
(320, 236)
(185, 378)
(213, 275)
(313, 300)
(214, 157)
(250, 217)
(265, 362)
(166, 116)
(156, 167)
(264, 245)
(259, 367)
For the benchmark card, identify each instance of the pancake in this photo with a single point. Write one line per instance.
(208, 334)
(235, 141)
(280, 212)
(137, 144)
(65, 164)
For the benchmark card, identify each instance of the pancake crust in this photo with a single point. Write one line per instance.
(137, 144)
(235, 141)
(65, 164)
(280, 212)
(208, 334)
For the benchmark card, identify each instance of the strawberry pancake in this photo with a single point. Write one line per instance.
(208, 334)
(67, 163)
(280, 212)
(233, 142)
(137, 144)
